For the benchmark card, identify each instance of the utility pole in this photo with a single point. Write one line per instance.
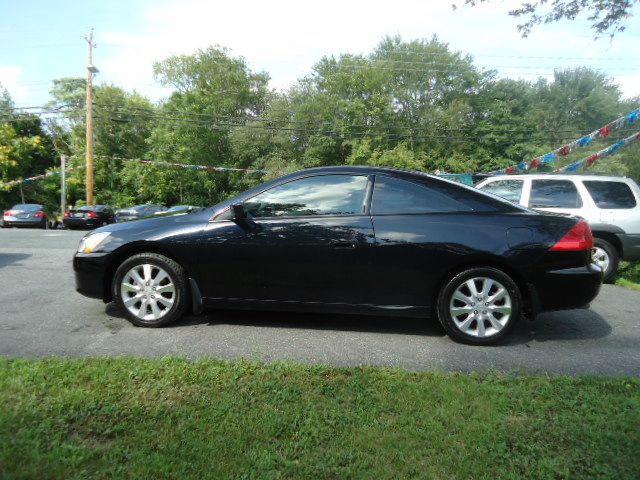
(63, 184)
(89, 103)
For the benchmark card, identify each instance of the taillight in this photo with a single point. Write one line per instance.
(578, 238)
(39, 214)
(66, 214)
(8, 213)
(92, 214)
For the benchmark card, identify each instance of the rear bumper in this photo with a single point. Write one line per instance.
(23, 223)
(82, 222)
(89, 270)
(565, 289)
(630, 246)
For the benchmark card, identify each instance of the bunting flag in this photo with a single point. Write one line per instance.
(13, 183)
(605, 152)
(565, 150)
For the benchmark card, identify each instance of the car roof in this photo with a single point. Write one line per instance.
(362, 169)
(559, 176)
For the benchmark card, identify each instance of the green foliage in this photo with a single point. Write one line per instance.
(607, 17)
(25, 150)
(416, 105)
(629, 275)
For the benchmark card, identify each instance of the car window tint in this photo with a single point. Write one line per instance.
(395, 196)
(554, 194)
(509, 189)
(613, 195)
(319, 195)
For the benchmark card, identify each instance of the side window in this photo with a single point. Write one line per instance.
(554, 194)
(319, 195)
(508, 189)
(613, 195)
(396, 196)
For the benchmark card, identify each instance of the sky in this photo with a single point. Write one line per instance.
(44, 40)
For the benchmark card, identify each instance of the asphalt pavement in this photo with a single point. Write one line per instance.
(41, 314)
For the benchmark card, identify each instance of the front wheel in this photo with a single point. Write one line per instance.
(479, 305)
(151, 290)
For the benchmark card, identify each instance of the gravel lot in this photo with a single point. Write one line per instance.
(41, 314)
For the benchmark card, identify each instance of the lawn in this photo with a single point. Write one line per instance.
(629, 275)
(172, 418)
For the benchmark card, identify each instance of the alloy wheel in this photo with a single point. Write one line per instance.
(148, 292)
(600, 257)
(480, 307)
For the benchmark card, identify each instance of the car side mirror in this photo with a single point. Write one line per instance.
(239, 212)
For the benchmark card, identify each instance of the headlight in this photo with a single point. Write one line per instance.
(89, 243)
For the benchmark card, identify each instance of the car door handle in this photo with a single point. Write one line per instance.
(338, 245)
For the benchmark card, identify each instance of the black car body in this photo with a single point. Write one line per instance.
(348, 240)
(89, 216)
(26, 215)
(137, 212)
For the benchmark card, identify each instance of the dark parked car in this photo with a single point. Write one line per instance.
(137, 212)
(89, 217)
(348, 240)
(26, 215)
(177, 209)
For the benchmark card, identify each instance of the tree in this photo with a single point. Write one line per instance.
(122, 124)
(606, 16)
(216, 94)
(25, 150)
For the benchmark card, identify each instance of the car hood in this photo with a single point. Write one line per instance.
(150, 229)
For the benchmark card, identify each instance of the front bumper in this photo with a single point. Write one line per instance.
(89, 270)
(565, 289)
(630, 246)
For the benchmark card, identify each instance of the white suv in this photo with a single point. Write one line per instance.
(611, 205)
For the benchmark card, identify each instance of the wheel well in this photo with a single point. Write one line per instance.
(612, 238)
(122, 255)
(490, 263)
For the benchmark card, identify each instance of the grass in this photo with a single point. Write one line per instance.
(629, 275)
(172, 418)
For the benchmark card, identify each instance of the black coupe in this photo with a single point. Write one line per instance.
(348, 240)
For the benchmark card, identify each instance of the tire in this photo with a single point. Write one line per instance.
(606, 257)
(485, 322)
(130, 291)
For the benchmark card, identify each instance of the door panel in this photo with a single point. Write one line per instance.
(301, 259)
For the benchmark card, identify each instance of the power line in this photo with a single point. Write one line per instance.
(140, 111)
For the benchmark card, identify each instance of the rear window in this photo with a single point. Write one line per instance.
(612, 195)
(27, 207)
(86, 208)
(554, 194)
(394, 196)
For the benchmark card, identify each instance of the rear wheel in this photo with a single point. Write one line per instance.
(151, 290)
(606, 257)
(479, 305)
